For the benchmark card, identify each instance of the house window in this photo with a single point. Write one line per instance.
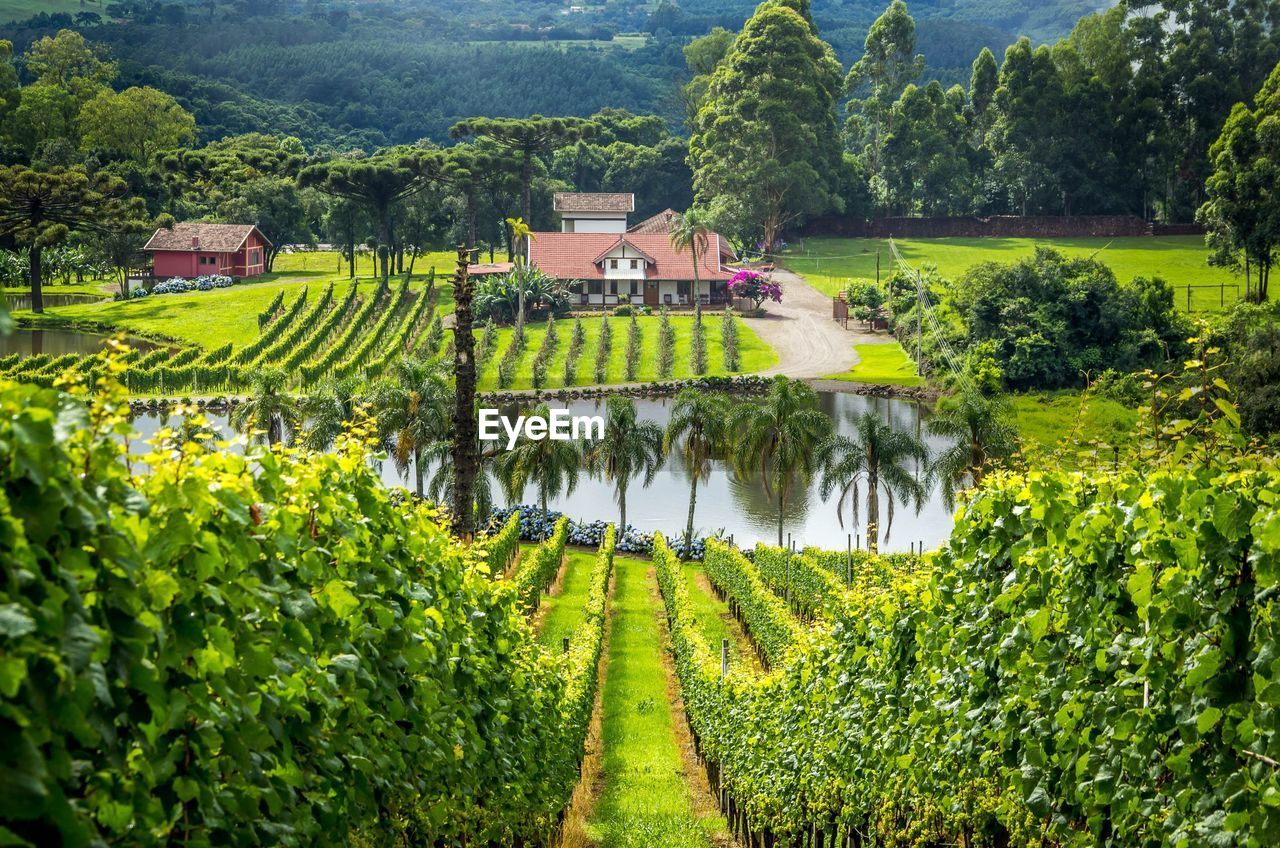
(613, 263)
(635, 263)
(595, 286)
(636, 287)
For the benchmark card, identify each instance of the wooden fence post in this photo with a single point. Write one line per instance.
(724, 657)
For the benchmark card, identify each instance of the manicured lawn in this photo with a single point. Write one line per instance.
(646, 801)
(830, 263)
(326, 262)
(1049, 418)
(97, 287)
(882, 364)
(754, 354)
(208, 319)
(565, 611)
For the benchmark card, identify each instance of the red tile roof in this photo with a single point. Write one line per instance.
(575, 201)
(488, 269)
(660, 223)
(194, 235)
(571, 256)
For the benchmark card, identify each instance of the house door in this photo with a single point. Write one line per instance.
(650, 292)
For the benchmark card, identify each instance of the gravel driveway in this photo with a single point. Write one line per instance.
(809, 343)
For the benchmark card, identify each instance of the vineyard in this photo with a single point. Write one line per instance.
(271, 648)
(323, 331)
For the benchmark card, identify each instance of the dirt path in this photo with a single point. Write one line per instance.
(809, 343)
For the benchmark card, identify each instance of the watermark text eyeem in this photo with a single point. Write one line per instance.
(559, 425)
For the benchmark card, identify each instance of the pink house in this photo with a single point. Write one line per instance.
(194, 249)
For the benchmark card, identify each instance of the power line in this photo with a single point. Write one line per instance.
(926, 306)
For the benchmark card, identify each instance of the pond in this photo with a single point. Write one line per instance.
(58, 341)
(728, 503)
(21, 301)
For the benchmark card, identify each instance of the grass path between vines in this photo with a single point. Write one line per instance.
(716, 622)
(646, 801)
(563, 612)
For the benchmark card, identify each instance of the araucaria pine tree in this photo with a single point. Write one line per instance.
(666, 345)
(729, 336)
(634, 339)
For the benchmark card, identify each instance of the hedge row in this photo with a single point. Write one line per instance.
(798, 579)
(272, 332)
(314, 369)
(254, 650)
(764, 614)
(300, 326)
(538, 568)
(320, 334)
(1091, 660)
(501, 547)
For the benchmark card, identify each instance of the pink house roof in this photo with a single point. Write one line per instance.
(580, 256)
(191, 236)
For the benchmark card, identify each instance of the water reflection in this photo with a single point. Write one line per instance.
(726, 502)
(22, 302)
(59, 342)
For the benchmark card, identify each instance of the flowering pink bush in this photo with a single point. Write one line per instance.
(755, 286)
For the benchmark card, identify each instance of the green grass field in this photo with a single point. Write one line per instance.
(710, 613)
(830, 263)
(882, 364)
(19, 10)
(1048, 419)
(646, 801)
(755, 354)
(328, 263)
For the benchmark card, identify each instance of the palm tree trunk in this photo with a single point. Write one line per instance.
(782, 508)
(37, 292)
(873, 510)
(466, 459)
(274, 430)
(622, 507)
(693, 499)
(417, 471)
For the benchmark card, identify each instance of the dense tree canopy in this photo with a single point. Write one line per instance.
(765, 151)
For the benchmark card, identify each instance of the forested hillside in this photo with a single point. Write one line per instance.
(370, 74)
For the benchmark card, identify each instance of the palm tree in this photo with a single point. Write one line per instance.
(779, 439)
(692, 231)
(550, 464)
(982, 433)
(521, 235)
(326, 413)
(700, 426)
(268, 408)
(630, 448)
(876, 456)
(412, 406)
(440, 486)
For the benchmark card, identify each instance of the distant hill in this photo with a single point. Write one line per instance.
(376, 72)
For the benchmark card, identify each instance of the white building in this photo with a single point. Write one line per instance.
(593, 213)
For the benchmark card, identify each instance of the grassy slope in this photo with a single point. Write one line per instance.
(326, 262)
(18, 10)
(566, 610)
(883, 364)
(646, 800)
(829, 263)
(755, 355)
(1047, 419)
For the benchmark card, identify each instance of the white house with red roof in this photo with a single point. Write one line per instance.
(639, 263)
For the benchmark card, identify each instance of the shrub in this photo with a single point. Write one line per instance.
(698, 349)
(634, 338)
(622, 311)
(666, 344)
(729, 338)
(604, 349)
